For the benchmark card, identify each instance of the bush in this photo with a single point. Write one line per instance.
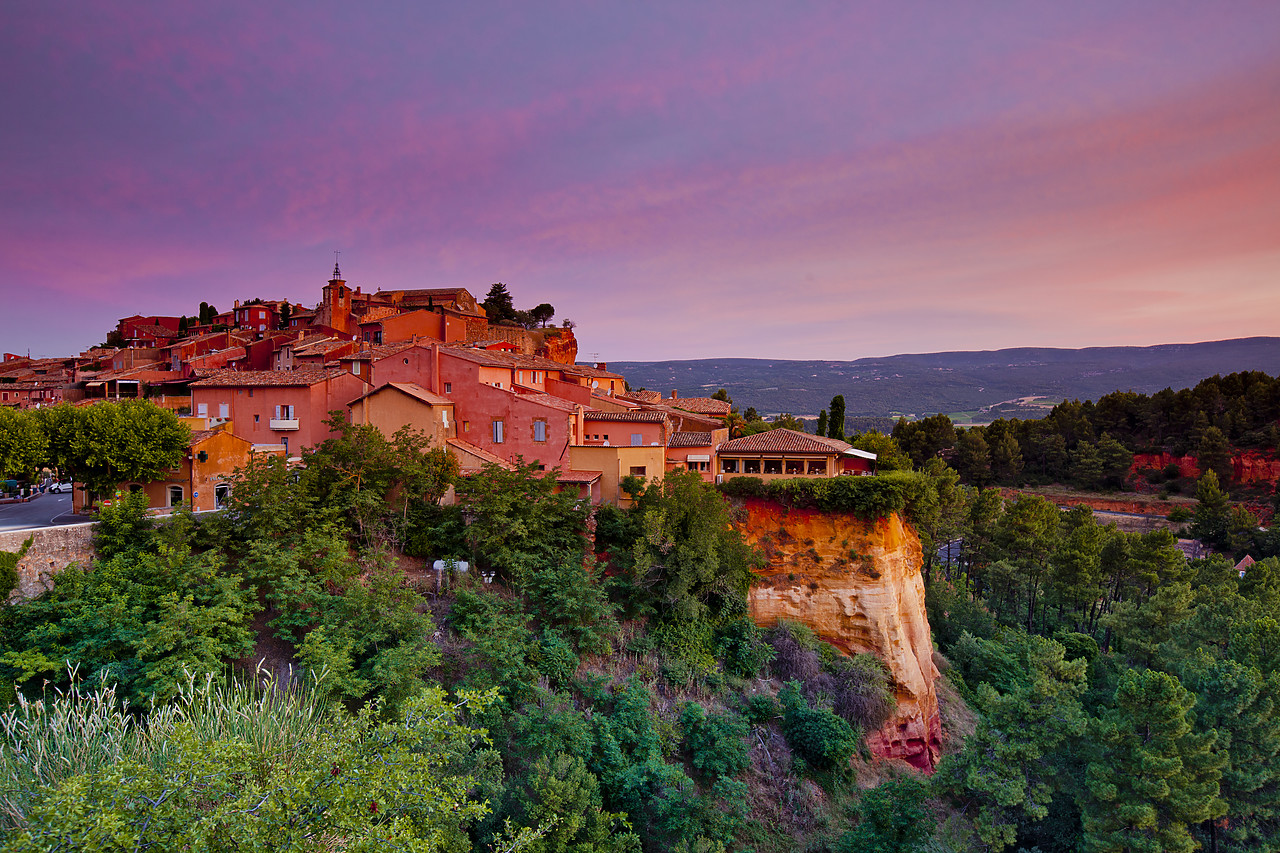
(867, 497)
(818, 736)
(743, 649)
(795, 655)
(716, 743)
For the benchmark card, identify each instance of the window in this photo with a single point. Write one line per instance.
(539, 430)
(224, 410)
(751, 466)
(255, 420)
(466, 426)
(175, 496)
(773, 466)
(497, 432)
(448, 387)
(220, 494)
(202, 410)
(636, 439)
(728, 466)
(284, 413)
(250, 392)
(637, 470)
(818, 467)
(795, 466)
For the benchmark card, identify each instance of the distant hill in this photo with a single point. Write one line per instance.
(960, 384)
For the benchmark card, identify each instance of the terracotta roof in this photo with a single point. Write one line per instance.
(154, 331)
(701, 405)
(588, 370)
(680, 416)
(689, 439)
(783, 440)
(199, 435)
(549, 401)
(577, 476)
(245, 378)
(617, 401)
(479, 453)
(412, 389)
(626, 417)
(645, 396)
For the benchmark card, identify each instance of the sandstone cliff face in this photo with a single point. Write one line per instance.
(857, 584)
(1249, 466)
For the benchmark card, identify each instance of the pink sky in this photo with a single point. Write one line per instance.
(812, 180)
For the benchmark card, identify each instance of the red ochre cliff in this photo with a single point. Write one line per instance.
(857, 584)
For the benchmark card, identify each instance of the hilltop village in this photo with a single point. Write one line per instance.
(265, 376)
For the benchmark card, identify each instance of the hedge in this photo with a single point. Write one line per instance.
(868, 497)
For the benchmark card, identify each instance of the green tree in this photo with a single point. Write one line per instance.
(542, 313)
(1213, 453)
(1012, 766)
(1151, 777)
(497, 304)
(1114, 459)
(925, 439)
(835, 421)
(1211, 521)
(1239, 704)
(689, 561)
(892, 819)
(23, 443)
(889, 456)
(129, 441)
(517, 520)
(822, 423)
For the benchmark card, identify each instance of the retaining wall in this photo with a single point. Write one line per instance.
(53, 550)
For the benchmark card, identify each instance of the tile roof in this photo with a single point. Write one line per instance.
(412, 389)
(479, 453)
(680, 416)
(581, 477)
(783, 440)
(701, 405)
(626, 417)
(588, 370)
(549, 401)
(645, 396)
(246, 378)
(689, 439)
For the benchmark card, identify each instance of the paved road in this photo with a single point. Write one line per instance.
(45, 511)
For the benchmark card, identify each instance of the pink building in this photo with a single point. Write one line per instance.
(695, 451)
(286, 407)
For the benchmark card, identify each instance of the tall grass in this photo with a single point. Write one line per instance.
(85, 728)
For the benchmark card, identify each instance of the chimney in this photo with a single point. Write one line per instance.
(673, 394)
(237, 303)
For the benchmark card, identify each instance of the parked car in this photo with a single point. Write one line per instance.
(60, 486)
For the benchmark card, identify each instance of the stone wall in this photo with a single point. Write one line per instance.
(53, 550)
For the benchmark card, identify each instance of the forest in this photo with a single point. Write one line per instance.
(291, 674)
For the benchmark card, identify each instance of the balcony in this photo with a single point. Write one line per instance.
(283, 424)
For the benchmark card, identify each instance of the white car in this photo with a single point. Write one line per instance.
(60, 486)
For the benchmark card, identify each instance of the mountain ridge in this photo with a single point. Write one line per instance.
(964, 381)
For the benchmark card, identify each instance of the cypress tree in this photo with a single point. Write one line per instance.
(835, 423)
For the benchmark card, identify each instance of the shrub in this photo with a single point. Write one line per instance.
(743, 648)
(818, 736)
(795, 657)
(716, 743)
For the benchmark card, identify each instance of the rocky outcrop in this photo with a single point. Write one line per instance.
(857, 584)
(558, 345)
(1249, 466)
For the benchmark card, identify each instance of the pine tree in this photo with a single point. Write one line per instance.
(1150, 777)
(822, 422)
